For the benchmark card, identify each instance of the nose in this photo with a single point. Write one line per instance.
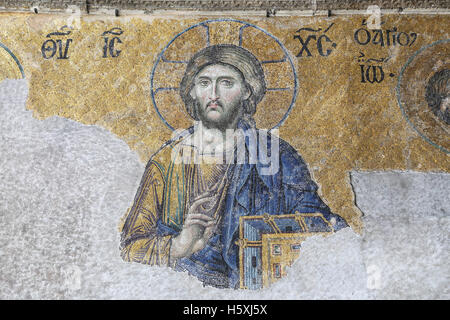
(214, 94)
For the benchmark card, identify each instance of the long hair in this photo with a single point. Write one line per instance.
(236, 57)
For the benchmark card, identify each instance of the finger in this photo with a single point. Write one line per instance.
(207, 207)
(199, 222)
(203, 205)
(201, 201)
(200, 216)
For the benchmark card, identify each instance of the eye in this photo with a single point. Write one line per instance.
(203, 83)
(227, 83)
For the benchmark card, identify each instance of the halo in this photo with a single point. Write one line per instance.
(274, 57)
(419, 68)
(10, 65)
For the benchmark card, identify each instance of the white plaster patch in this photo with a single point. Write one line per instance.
(406, 238)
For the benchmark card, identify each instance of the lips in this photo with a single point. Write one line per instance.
(213, 106)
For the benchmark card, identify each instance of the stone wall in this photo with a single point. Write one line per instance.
(218, 5)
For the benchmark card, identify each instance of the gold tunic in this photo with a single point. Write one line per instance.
(170, 184)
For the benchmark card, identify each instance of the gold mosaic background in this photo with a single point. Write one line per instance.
(337, 124)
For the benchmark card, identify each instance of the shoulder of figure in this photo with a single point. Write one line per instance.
(293, 168)
(288, 154)
(163, 156)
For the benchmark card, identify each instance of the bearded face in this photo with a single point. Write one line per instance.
(219, 92)
(221, 83)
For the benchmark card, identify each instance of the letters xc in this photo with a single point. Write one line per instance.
(320, 42)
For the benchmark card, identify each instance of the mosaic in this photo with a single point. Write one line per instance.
(250, 126)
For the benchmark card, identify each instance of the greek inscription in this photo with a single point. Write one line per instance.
(324, 44)
(371, 74)
(371, 69)
(384, 37)
(111, 38)
(57, 47)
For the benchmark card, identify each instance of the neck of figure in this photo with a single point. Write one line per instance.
(213, 140)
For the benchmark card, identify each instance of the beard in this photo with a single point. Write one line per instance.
(223, 122)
